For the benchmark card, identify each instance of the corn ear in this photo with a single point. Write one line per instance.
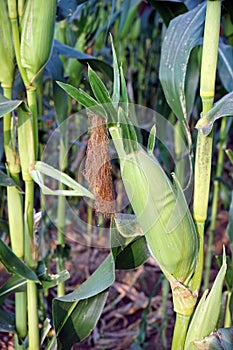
(163, 215)
(7, 57)
(38, 24)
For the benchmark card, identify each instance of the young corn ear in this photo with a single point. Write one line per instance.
(37, 35)
(161, 211)
(7, 57)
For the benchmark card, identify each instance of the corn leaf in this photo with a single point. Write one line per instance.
(206, 315)
(14, 265)
(175, 55)
(151, 140)
(222, 339)
(116, 76)
(133, 255)
(83, 98)
(225, 69)
(6, 180)
(222, 108)
(76, 314)
(7, 321)
(230, 224)
(229, 152)
(168, 9)
(95, 63)
(14, 284)
(99, 89)
(43, 168)
(7, 106)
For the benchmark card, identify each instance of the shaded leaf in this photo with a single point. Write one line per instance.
(222, 339)
(168, 9)
(65, 8)
(133, 255)
(45, 169)
(6, 180)
(230, 224)
(95, 63)
(225, 68)
(222, 108)
(76, 314)
(7, 321)
(175, 54)
(13, 284)
(229, 152)
(14, 265)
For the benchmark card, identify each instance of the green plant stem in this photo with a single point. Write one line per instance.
(33, 330)
(204, 143)
(32, 103)
(180, 331)
(220, 163)
(15, 217)
(31, 260)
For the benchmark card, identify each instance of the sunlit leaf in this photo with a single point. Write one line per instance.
(45, 169)
(175, 55)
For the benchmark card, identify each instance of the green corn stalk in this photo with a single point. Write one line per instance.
(204, 143)
(14, 198)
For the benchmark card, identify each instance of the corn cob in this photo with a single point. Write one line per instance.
(7, 57)
(37, 35)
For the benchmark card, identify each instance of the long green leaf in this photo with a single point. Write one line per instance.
(222, 108)
(43, 168)
(175, 55)
(116, 76)
(83, 98)
(14, 265)
(7, 106)
(76, 314)
(207, 312)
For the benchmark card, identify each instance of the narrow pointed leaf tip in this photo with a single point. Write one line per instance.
(207, 312)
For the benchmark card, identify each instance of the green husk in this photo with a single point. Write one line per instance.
(7, 57)
(37, 35)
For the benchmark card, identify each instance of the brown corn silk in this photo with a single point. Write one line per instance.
(98, 167)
